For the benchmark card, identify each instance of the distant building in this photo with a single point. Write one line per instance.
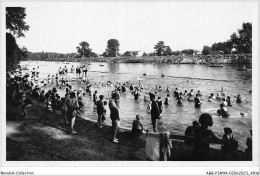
(196, 52)
(133, 53)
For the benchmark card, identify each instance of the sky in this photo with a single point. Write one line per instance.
(61, 26)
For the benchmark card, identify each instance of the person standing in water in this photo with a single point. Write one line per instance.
(155, 112)
(160, 104)
(95, 97)
(197, 101)
(72, 70)
(167, 99)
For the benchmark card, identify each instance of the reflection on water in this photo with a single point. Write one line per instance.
(185, 77)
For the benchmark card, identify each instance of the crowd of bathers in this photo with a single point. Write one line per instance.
(22, 86)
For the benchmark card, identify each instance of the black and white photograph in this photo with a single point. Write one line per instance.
(142, 82)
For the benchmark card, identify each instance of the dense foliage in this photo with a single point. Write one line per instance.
(15, 21)
(16, 27)
(237, 44)
(83, 50)
(112, 49)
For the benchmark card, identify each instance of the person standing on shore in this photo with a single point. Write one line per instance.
(72, 105)
(114, 115)
(155, 112)
(65, 108)
(100, 110)
(72, 70)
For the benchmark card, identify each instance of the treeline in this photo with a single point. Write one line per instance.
(45, 56)
(240, 43)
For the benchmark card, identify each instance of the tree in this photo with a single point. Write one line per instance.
(245, 37)
(127, 53)
(168, 51)
(176, 52)
(188, 51)
(206, 50)
(13, 53)
(83, 49)
(16, 25)
(145, 54)
(112, 48)
(15, 21)
(159, 48)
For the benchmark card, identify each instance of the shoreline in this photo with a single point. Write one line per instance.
(39, 138)
(187, 59)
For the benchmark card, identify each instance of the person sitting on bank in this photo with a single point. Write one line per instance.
(202, 138)
(248, 151)
(232, 146)
(137, 126)
(190, 131)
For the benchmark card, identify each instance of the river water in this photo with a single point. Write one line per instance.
(185, 77)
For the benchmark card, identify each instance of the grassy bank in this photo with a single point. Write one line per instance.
(41, 138)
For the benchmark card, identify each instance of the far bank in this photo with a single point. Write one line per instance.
(236, 59)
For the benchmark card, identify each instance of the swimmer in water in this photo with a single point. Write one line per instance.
(199, 94)
(197, 101)
(176, 93)
(229, 102)
(180, 99)
(218, 97)
(131, 87)
(223, 111)
(167, 99)
(191, 93)
(211, 97)
(190, 98)
(239, 98)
